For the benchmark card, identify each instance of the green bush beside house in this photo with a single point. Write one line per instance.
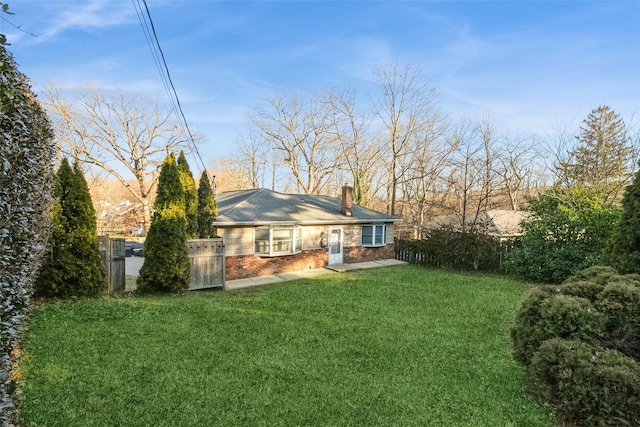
(72, 266)
(166, 265)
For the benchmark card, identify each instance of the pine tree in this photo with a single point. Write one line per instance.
(166, 265)
(623, 249)
(190, 196)
(207, 208)
(602, 157)
(73, 267)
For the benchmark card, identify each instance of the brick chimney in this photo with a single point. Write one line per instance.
(347, 199)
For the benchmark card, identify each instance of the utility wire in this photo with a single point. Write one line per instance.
(156, 59)
(163, 69)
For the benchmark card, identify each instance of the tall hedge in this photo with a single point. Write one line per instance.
(623, 249)
(73, 266)
(207, 208)
(190, 196)
(26, 177)
(166, 265)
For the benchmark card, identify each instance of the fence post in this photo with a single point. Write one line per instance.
(118, 265)
(104, 244)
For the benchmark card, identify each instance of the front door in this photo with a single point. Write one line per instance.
(335, 246)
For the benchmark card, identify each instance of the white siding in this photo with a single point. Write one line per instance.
(352, 235)
(240, 240)
(389, 232)
(311, 236)
(237, 241)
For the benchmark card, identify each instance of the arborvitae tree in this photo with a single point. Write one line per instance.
(623, 249)
(603, 155)
(166, 265)
(73, 266)
(26, 178)
(190, 196)
(207, 208)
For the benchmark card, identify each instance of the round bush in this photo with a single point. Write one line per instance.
(557, 365)
(620, 304)
(599, 274)
(586, 384)
(630, 279)
(544, 316)
(582, 289)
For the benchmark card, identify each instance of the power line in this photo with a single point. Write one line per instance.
(161, 64)
(156, 59)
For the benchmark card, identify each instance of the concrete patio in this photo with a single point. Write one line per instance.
(306, 274)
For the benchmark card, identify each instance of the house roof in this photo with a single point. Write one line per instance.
(264, 207)
(497, 222)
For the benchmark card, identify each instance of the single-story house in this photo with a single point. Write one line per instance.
(266, 232)
(500, 223)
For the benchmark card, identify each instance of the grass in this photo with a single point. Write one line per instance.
(400, 346)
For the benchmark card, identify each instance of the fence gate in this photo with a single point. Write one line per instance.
(113, 253)
(207, 263)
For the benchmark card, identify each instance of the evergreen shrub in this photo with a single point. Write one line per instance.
(543, 316)
(207, 208)
(73, 266)
(26, 177)
(598, 274)
(580, 344)
(623, 248)
(190, 196)
(166, 265)
(619, 302)
(586, 384)
(582, 289)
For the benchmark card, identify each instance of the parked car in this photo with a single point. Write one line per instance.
(134, 248)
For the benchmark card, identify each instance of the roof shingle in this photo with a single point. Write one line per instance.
(262, 206)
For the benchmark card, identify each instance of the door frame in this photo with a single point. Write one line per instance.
(337, 257)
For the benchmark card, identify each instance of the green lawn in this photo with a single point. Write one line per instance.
(399, 346)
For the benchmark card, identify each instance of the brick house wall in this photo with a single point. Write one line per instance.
(361, 254)
(245, 266)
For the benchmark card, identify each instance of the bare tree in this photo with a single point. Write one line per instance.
(471, 179)
(426, 166)
(405, 107)
(258, 161)
(115, 212)
(229, 174)
(516, 166)
(300, 129)
(360, 151)
(119, 133)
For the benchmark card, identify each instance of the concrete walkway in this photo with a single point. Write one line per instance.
(306, 274)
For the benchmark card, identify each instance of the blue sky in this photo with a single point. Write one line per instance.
(534, 66)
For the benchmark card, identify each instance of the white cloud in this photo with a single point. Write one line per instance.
(52, 19)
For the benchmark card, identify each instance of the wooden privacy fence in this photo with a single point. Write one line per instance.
(207, 263)
(460, 251)
(113, 253)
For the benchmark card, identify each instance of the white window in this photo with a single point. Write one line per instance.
(374, 235)
(278, 240)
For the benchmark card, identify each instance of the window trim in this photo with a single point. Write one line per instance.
(374, 228)
(295, 242)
